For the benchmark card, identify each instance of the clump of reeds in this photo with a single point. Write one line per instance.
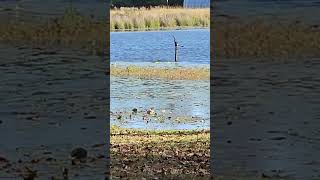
(161, 73)
(264, 40)
(158, 18)
(69, 30)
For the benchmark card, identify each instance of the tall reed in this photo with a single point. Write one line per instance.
(158, 18)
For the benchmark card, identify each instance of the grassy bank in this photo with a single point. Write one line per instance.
(157, 18)
(161, 154)
(69, 30)
(260, 39)
(162, 73)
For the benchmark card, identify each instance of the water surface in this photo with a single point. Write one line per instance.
(179, 104)
(151, 46)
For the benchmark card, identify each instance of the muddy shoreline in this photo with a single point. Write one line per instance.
(52, 101)
(265, 120)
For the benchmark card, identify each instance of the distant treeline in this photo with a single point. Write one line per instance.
(144, 3)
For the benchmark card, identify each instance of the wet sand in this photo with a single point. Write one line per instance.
(265, 119)
(52, 101)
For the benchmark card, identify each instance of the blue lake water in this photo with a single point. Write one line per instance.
(151, 46)
(179, 104)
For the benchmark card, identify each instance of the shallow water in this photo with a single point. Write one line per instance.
(302, 10)
(38, 10)
(179, 104)
(151, 46)
(52, 100)
(266, 118)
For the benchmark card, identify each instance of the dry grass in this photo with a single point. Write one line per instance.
(158, 18)
(141, 154)
(69, 30)
(161, 73)
(259, 39)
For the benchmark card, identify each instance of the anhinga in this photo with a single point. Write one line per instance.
(176, 45)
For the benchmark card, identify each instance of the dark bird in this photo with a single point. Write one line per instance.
(176, 45)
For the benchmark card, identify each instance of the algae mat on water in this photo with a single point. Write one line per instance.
(160, 72)
(173, 154)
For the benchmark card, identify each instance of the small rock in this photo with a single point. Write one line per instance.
(277, 138)
(151, 111)
(35, 161)
(49, 159)
(31, 175)
(134, 110)
(2, 159)
(79, 153)
(65, 173)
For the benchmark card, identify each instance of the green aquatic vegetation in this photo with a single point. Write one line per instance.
(157, 116)
(159, 72)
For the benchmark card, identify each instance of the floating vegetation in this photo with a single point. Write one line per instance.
(181, 73)
(142, 153)
(68, 30)
(259, 39)
(158, 18)
(152, 115)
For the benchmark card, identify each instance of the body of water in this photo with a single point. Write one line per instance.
(151, 46)
(284, 10)
(179, 104)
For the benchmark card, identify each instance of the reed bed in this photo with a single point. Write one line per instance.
(156, 18)
(69, 30)
(260, 39)
(161, 73)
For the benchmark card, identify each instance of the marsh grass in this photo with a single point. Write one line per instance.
(160, 72)
(149, 154)
(259, 39)
(157, 18)
(69, 30)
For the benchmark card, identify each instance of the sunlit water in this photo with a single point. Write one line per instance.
(154, 46)
(179, 104)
